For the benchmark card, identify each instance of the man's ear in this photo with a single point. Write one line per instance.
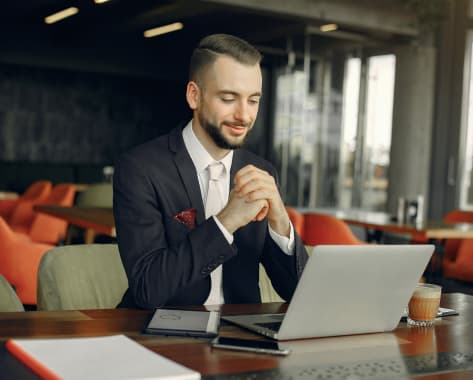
(193, 95)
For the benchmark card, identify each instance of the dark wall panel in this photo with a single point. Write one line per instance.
(49, 115)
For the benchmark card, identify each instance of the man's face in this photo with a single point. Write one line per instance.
(229, 102)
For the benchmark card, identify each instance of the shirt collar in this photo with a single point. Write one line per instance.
(199, 155)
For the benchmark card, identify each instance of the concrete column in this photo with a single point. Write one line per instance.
(409, 172)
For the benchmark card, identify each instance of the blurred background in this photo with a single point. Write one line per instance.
(364, 102)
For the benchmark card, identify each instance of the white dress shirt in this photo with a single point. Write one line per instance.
(201, 159)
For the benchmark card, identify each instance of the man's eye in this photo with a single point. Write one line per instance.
(227, 100)
(254, 101)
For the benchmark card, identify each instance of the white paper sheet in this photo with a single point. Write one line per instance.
(110, 357)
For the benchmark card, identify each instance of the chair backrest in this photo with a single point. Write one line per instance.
(297, 220)
(62, 195)
(326, 229)
(81, 277)
(452, 246)
(462, 267)
(37, 191)
(19, 262)
(22, 213)
(46, 228)
(7, 239)
(96, 195)
(268, 294)
(459, 216)
(9, 300)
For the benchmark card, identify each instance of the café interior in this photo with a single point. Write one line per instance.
(366, 113)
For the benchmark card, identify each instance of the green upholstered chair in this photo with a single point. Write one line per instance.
(81, 277)
(96, 195)
(268, 294)
(9, 300)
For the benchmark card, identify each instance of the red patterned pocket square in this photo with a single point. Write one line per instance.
(186, 217)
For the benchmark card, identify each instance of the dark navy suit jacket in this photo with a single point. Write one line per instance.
(169, 263)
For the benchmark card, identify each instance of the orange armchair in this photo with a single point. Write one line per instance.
(20, 210)
(460, 266)
(326, 229)
(452, 245)
(19, 262)
(48, 229)
(459, 216)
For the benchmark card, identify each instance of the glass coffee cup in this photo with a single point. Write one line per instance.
(423, 305)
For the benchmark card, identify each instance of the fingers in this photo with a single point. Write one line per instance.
(260, 209)
(255, 183)
(249, 174)
(262, 214)
(240, 211)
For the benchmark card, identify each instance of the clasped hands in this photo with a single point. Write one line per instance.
(254, 197)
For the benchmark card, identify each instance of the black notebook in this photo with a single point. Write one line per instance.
(200, 324)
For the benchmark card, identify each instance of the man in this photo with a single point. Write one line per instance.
(188, 238)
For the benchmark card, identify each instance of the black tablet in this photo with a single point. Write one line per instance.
(202, 324)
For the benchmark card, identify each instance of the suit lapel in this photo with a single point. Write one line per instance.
(237, 163)
(187, 173)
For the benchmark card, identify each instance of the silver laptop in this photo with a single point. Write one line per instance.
(346, 289)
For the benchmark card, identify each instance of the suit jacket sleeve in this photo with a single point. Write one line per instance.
(283, 270)
(255, 245)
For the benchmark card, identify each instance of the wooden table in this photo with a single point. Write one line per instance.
(93, 219)
(413, 350)
(381, 221)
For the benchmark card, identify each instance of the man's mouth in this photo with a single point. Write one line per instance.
(236, 129)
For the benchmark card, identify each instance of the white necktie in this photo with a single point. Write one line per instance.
(213, 205)
(214, 202)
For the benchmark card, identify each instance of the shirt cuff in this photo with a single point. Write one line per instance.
(286, 244)
(225, 233)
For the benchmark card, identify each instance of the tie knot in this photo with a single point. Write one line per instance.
(215, 170)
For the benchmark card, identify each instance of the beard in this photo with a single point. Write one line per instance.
(215, 133)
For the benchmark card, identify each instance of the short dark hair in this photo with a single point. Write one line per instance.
(215, 45)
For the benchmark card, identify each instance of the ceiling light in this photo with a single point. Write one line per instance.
(61, 15)
(100, 1)
(328, 27)
(163, 29)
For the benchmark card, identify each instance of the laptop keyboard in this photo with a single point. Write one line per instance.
(270, 325)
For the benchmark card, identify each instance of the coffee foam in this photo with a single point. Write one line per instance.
(426, 292)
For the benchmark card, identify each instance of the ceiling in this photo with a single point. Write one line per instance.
(109, 36)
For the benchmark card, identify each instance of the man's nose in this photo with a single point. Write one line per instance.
(242, 113)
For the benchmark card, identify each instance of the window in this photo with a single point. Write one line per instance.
(366, 138)
(377, 136)
(332, 139)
